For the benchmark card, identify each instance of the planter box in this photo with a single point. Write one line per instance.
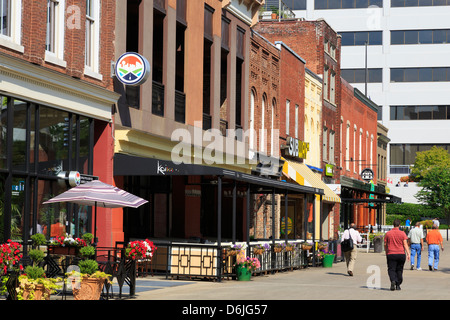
(59, 250)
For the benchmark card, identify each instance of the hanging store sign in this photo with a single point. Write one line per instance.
(74, 178)
(367, 174)
(296, 148)
(329, 170)
(132, 69)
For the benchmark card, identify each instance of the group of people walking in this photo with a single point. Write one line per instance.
(400, 247)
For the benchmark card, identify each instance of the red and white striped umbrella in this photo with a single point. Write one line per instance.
(98, 194)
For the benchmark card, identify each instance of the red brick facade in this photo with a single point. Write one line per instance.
(292, 93)
(33, 36)
(265, 87)
(362, 120)
(313, 40)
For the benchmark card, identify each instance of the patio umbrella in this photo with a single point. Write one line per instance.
(98, 194)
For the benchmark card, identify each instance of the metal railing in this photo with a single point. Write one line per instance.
(277, 7)
(208, 261)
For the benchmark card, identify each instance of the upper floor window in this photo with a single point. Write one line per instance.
(92, 38)
(5, 13)
(11, 24)
(420, 36)
(374, 75)
(419, 3)
(54, 41)
(346, 4)
(360, 38)
(420, 74)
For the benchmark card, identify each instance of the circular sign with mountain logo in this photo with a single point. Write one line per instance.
(132, 69)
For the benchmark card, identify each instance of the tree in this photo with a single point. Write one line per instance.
(436, 188)
(426, 160)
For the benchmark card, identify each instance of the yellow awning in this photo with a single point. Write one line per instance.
(300, 173)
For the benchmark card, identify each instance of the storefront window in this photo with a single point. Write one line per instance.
(51, 217)
(83, 155)
(2, 207)
(53, 141)
(20, 147)
(17, 207)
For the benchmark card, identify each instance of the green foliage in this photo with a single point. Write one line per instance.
(38, 239)
(88, 237)
(427, 160)
(415, 212)
(88, 266)
(87, 251)
(436, 188)
(36, 255)
(34, 273)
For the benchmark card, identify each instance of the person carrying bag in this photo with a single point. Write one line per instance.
(350, 238)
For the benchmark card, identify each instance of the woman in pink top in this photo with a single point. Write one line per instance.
(397, 251)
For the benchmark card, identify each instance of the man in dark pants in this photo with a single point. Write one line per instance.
(397, 251)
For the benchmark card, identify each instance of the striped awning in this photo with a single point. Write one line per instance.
(300, 173)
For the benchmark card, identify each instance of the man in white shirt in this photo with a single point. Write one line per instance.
(350, 256)
(416, 242)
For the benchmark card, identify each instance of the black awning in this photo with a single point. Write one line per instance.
(128, 165)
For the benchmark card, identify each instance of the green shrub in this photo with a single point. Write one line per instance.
(88, 266)
(87, 251)
(34, 272)
(87, 237)
(36, 255)
(38, 239)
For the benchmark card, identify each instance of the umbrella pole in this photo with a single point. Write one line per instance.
(95, 225)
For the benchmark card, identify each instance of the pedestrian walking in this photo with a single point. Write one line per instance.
(350, 256)
(434, 240)
(415, 237)
(397, 252)
(436, 222)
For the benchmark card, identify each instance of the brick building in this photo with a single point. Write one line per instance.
(57, 96)
(359, 152)
(197, 97)
(322, 57)
(264, 123)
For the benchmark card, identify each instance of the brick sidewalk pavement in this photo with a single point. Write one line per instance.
(370, 282)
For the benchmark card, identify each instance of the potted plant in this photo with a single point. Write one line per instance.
(140, 249)
(327, 257)
(245, 266)
(274, 12)
(261, 248)
(38, 240)
(87, 284)
(289, 247)
(279, 247)
(10, 255)
(65, 245)
(33, 284)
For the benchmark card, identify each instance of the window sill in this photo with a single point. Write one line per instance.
(53, 59)
(88, 72)
(8, 43)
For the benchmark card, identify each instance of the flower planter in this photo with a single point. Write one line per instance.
(328, 260)
(243, 273)
(67, 251)
(258, 251)
(89, 289)
(37, 292)
(306, 247)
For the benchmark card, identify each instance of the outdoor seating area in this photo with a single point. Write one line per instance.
(124, 263)
(182, 260)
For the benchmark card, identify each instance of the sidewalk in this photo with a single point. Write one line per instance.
(370, 282)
